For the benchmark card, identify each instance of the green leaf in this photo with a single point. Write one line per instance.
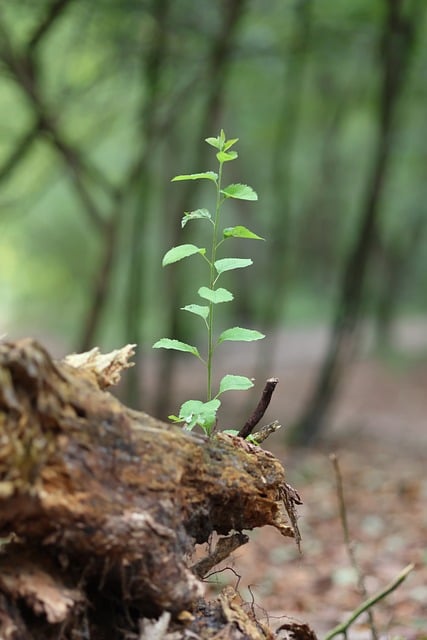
(180, 252)
(235, 432)
(215, 295)
(237, 333)
(206, 175)
(197, 406)
(177, 345)
(239, 191)
(197, 309)
(214, 142)
(228, 264)
(234, 383)
(195, 412)
(240, 232)
(226, 156)
(230, 143)
(195, 215)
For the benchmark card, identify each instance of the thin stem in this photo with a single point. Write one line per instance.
(212, 280)
(367, 604)
(348, 542)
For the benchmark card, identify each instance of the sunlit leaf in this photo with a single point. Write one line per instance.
(239, 334)
(240, 232)
(177, 345)
(195, 215)
(206, 175)
(197, 309)
(228, 264)
(239, 191)
(226, 156)
(215, 295)
(230, 143)
(180, 252)
(235, 383)
(214, 142)
(195, 412)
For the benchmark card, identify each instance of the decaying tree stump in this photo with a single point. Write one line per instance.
(101, 507)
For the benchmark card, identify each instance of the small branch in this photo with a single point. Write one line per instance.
(291, 498)
(260, 409)
(265, 432)
(367, 604)
(24, 71)
(224, 547)
(349, 543)
(20, 151)
(53, 13)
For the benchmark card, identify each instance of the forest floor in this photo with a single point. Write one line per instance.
(385, 495)
(378, 430)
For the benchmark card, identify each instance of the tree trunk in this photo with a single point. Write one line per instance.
(397, 38)
(281, 235)
(102, 506)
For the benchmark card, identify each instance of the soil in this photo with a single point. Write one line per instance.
(385, 497)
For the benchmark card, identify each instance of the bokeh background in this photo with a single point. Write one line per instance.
(102, 103)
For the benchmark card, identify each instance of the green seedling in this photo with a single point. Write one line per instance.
(195, 412)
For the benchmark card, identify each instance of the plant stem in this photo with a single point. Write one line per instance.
(367, 604)
(211, 284)
(348, 542)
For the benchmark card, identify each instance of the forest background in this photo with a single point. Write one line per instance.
(103, 102)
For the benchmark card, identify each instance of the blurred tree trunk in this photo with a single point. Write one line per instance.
(395, 47)
(100, 286)
(397, 259)
(137, 238)
(280, 255)
(216, 74)
(24, 65)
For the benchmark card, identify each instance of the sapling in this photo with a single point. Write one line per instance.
(196, 412)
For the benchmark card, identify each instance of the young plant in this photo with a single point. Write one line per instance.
(196, 412)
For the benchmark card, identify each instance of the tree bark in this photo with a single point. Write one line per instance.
(101, 506)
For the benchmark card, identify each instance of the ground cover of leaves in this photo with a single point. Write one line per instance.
(386, 495)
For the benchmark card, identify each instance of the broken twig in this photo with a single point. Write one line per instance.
(349, 544)
(260, 409)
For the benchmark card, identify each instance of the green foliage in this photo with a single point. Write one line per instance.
(195, 412)
(178, 253)
(177, 345)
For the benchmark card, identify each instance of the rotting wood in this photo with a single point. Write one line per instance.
(104, 505)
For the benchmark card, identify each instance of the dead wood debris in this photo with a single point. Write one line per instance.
(102, 506)
(106, 366)
(224, 548)
(297, 631)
